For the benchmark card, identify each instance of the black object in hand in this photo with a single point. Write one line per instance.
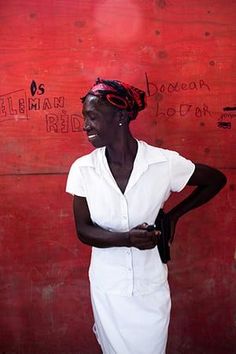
(162, 223)
(151, 227)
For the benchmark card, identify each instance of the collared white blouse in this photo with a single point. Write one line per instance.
(156, 173)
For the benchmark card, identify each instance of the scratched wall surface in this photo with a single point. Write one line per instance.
(182, 53)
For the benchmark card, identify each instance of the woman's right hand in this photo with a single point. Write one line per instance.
(142, 239)
(95, 236)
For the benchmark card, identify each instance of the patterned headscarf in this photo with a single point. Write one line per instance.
(120, 95)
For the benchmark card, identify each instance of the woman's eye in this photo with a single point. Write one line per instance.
(90, 117)
(85, 117)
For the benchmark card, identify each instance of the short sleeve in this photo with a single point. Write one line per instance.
(181, 169)
(75, 181)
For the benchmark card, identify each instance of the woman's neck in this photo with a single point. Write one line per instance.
(123, 151)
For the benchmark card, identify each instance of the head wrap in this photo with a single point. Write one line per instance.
(119, 95)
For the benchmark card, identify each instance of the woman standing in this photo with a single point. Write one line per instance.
(118, 191)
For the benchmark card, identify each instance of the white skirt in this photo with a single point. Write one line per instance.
(132, 325)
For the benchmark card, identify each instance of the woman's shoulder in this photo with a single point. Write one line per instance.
(175, 159)
(88, 159)
(156, 150)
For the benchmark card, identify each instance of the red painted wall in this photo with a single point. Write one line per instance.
(183, 54)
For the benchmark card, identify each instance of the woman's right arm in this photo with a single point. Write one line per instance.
(94, 235)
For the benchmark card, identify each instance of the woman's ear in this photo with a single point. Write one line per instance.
(123, 118)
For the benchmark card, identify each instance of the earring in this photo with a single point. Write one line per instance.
(120, 124)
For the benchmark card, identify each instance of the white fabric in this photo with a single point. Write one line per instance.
(132, 325)
(156, 172)
(121, 276)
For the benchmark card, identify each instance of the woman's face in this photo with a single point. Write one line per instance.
(101, 121)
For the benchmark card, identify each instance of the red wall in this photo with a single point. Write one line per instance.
(183, 54)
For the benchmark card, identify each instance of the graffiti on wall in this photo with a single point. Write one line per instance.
(184, 108)
(17, 105)
(13, 106)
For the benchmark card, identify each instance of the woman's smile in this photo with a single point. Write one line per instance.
(92, 136)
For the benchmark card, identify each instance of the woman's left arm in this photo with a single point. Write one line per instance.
(209, 181)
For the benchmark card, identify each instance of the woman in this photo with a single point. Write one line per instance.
(118, 190)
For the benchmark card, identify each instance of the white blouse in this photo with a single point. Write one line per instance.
(156, 173)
